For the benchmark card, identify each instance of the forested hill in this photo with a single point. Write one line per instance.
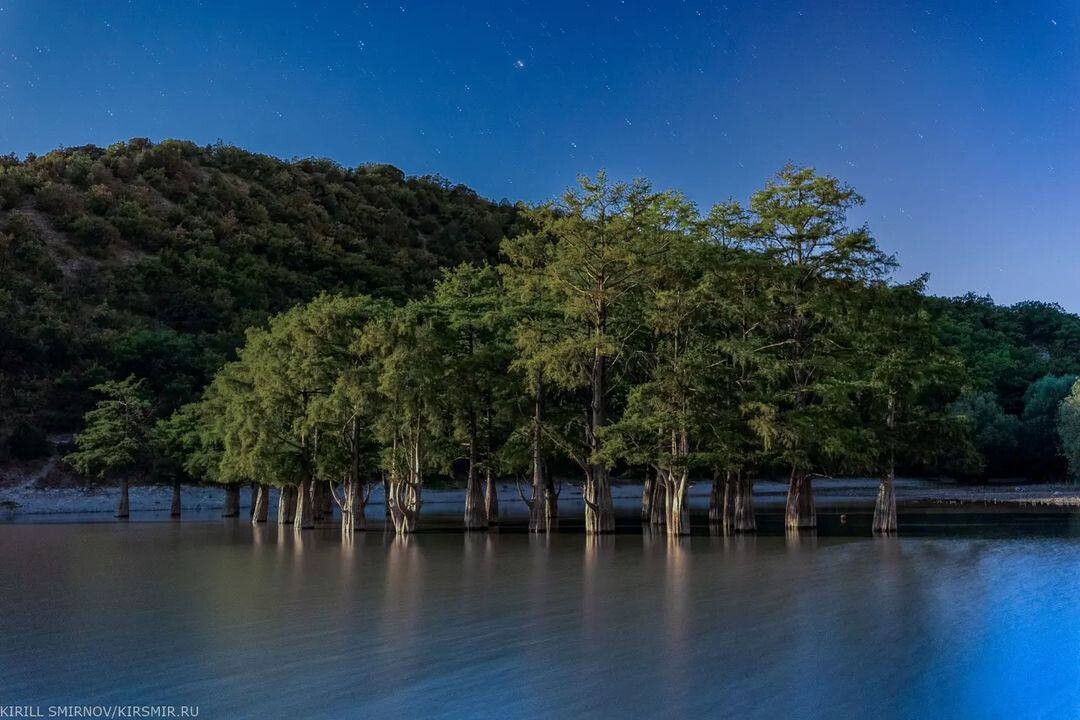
(153, 259)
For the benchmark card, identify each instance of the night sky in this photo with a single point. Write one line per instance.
(958, 121)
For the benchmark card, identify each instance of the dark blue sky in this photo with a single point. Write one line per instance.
(958, 121)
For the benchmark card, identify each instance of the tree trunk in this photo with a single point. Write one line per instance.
(544, 507)
(716, 498)
(348, 516)
(647, 496)
(885, 508)
(232, 501)
(386, 496)
(744, 503)
(260, 506)
(475, 517)
(303, 517)
(286, 505)
(799, 512)
(174, 508)
(405, 498)
(254, 497)
(491, 498)
(404, 507)
(658, 503)
(599, 509)
(677, 513)
(123, 507)
(728, 500)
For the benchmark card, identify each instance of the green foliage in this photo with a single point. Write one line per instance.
(798, 221)
(1040, 453)
(1068, 430)
(116, 433)
(995, 434)
(154, 259)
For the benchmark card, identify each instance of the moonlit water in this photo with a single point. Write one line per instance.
(248, 622)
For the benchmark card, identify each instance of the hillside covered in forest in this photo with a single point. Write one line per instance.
(152, 259)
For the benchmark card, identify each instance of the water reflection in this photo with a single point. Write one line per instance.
(253, 622)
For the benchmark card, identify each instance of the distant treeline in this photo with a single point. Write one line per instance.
(619, 330)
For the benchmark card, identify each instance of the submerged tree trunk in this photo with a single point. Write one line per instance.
(475, 517)
(405, 496)
(743, 504)
(647, 496)
(232, 501)
(174, 508)
(386, 496)
(260, 507)
(123, 506)
(348, 519)
(303, 517)
(722, 500)
(491, 498)
(799, 512)
(359, 521)
(677, 513)
(716, 498)
(599, 509)
(885, 508)
(658, 502)
(286, 505)
(544, 506)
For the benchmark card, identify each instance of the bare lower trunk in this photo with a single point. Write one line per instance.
(260, 507)
(404, 507)
(716, 498)
(544, 506)
(475, 517)
(885, 508)
(491, 499)
(744, 521)
(658, 503)
(123, 507)
(303, 518)
(286, 505)
(727, 501)
(359, 521)
(386, 496)
(677, 513)
(174, 508)
(599, 509)
(406, 487)
(647, 496)
(799, 512)
(348, 517)
(254, 497)
(232, 501)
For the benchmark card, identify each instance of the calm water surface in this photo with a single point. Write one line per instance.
(248, 623)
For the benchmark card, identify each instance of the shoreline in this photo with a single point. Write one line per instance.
(27, 501)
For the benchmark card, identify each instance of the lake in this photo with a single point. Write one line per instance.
(963, 616)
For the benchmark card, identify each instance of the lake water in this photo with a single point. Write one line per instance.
(977, 620)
